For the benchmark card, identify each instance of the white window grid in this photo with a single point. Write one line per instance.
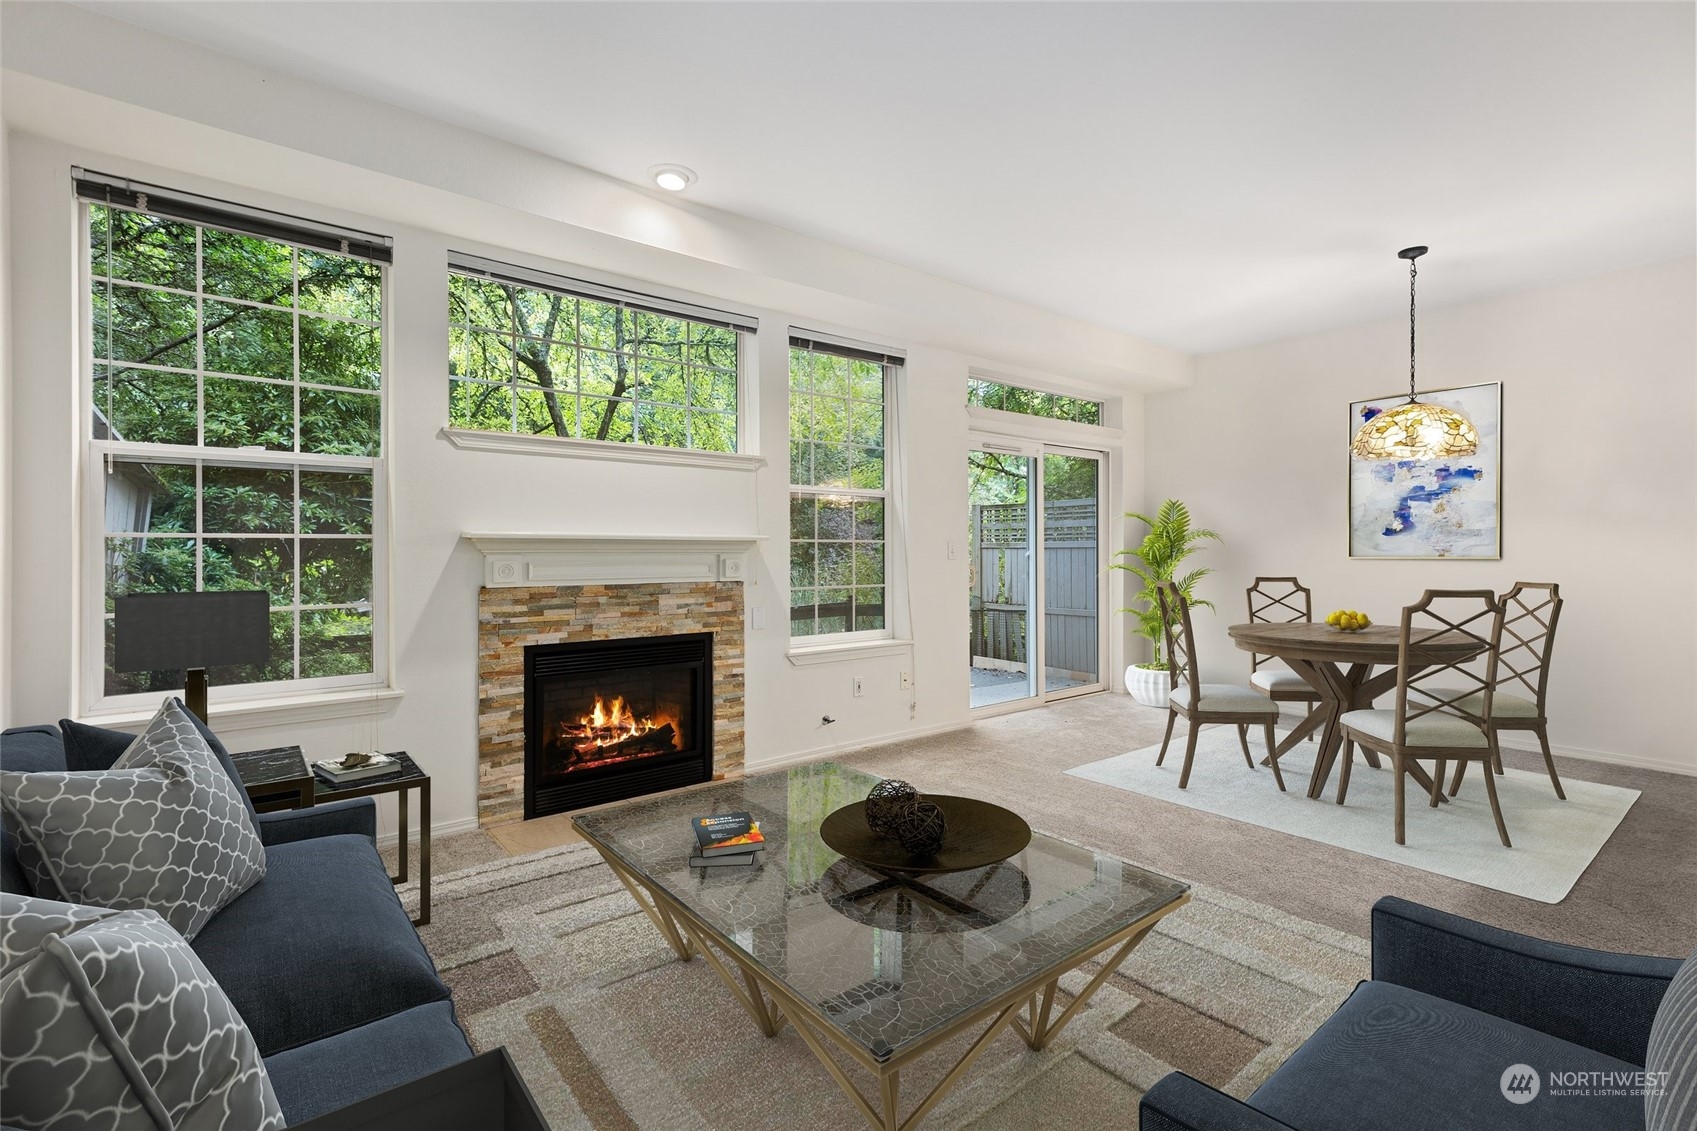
(850, 494)
(103, 453)
(200, 371)
(634, 359)
(200, 536)
(979, 385)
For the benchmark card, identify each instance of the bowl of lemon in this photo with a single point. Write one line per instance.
(1347, 620)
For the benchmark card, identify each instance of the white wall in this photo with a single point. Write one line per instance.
(1599, 484)
(5, 422)
(439, 491)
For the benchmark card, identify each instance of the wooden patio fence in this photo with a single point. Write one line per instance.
(1001, 585)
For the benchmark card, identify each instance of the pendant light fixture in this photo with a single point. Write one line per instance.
(1416, 430)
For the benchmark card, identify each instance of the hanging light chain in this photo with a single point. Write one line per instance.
(1413, 270)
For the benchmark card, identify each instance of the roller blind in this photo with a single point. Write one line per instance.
(601, 292)
(843, 347)
(121, 192)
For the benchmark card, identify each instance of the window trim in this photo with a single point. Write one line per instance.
(822, 647)
(1104, 402)
(479, 440)
(89, 650)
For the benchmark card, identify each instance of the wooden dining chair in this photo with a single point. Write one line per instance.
(1530, 612)
(1279, 600)
(1202, 702)
(1446, 676)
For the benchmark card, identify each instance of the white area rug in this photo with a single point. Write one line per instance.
(1554, 840)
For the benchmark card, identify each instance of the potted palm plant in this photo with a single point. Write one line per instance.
(1170, 540)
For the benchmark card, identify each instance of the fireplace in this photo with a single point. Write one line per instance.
(610, 719)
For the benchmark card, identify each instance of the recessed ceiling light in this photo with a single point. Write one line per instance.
(672, 178)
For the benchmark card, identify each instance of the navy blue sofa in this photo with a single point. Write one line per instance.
(1452, 1006)
(319, 957)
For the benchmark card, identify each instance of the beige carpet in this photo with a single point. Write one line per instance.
(548, 955)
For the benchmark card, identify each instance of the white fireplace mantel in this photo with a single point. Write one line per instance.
(517, 559)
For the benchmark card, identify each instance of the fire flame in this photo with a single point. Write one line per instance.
(616, 717)
(608, 724)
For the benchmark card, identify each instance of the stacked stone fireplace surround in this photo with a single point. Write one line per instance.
(511, 618)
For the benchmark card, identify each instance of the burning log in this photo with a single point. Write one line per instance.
(661, 740)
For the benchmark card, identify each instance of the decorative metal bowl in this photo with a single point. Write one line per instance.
(977, 834)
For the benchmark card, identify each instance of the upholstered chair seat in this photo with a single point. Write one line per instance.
(1279, 679)
(1427, 730)
(1227, 698)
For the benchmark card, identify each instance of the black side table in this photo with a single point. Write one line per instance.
(275, 779)
(408, 776)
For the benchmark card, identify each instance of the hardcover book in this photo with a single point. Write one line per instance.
(727, 833)
(336, 771)
(727, 860)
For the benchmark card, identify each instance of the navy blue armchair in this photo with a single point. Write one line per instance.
(1453, 1006)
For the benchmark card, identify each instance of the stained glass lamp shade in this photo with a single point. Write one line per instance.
(1415, 430)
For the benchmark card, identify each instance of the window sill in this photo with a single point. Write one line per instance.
(472, 440)
(253, 714)
(856, 650)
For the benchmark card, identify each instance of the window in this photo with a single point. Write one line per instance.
(1032, 402)
(237, 416)
(574, 360)
(839, 489)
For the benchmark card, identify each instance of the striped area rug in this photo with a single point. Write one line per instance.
(548, 955)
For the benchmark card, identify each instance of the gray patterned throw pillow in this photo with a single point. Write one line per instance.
(113, 1024)
(164, 829)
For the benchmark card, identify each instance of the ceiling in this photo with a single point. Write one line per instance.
(1204, 175)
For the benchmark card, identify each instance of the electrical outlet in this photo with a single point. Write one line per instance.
(954, 550)
(905, 681)
(859, 686)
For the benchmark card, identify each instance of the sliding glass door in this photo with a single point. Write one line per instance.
(1002, 520)
(1037, 576)
(1072, 571)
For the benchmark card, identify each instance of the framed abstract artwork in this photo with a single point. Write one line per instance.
(1430, 508)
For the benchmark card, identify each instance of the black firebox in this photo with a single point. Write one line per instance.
(609, 719)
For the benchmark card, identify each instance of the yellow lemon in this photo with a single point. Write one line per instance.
(1333, 618)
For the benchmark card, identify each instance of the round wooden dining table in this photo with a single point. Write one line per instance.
(1339, 667)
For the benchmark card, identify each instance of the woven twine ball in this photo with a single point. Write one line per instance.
(921, 828)
(886, 804)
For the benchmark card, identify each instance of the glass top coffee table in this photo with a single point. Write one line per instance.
(884, 969)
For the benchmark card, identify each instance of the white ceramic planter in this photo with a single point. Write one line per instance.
(1149, 686)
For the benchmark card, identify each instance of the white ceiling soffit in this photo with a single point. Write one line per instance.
(1203, 175)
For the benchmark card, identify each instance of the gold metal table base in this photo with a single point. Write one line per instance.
(1028, 1008)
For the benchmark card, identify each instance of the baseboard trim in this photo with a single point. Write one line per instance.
(851, 747)
(1523, 741)
(437, 829)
